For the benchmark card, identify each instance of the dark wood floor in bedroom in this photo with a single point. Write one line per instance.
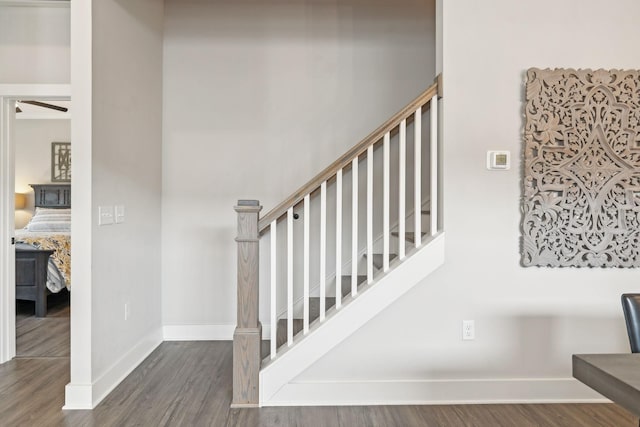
(189, 384)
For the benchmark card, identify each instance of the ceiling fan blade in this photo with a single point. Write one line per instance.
(18, 110)
(45, 105)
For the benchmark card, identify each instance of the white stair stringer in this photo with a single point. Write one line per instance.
(355, 312)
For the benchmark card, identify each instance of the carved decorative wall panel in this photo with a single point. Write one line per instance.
(581, 203)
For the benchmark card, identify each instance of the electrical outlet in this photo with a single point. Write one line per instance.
(468, 330)
(127, 310)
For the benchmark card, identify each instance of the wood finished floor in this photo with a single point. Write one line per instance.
(189, 384)
(46, 336)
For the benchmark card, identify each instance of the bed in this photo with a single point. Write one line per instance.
(43, 247)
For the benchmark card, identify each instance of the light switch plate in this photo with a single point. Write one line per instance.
(119, 214)
(498, 160)
(105, 215)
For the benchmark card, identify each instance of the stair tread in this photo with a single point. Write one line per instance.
(265, 349)
(378, 259)
(426, 212)
(346, 284)
(298, 324)
(330, 301)
(281, 334)
(314, 310)
(409, 235)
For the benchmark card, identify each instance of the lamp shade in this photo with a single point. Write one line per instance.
(20, 201)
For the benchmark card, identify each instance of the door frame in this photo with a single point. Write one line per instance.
(9, 93)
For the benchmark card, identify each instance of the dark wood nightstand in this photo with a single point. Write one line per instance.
(31, 277)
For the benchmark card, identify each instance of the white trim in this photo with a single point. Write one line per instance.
(44, 116)
(9, 93)
(78, 396)
(273, 297)
(434, 169)
(81, 369)
(305, 266)
(338, 251)
(402, 188)
(40, 91)
(370, 214)
(205, 332)
(434, 392)
(374, 298)
(35, 3)
(323, 251)
(290, 276)
(417, 172)
(7, 254)
(82, 396)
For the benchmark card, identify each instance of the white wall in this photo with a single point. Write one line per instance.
(35, 44)
(118, 81)
(127, 140)
(33, 140)
(259, 97)
(529, 321)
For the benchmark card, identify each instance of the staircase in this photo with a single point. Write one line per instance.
(342, 248)
(330, 302)
(314, 312)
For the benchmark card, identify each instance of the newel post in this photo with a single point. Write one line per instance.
(248, 333)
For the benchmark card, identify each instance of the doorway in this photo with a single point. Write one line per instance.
(42, 152)
(9, 94)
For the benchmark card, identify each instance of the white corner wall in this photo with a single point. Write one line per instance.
(127, 150)
(529, 321)
(258, 98)
(35, 44)
(117, 69)
(33, 140)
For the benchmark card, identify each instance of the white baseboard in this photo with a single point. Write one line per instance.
(88, 396)
(441, 392)
(208, 332)
(78, 396)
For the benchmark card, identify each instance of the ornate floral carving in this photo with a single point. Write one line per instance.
(581, 204)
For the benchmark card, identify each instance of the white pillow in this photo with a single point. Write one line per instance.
(52, 211)
(50, 220)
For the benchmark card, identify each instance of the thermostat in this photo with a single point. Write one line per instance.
(498, 160)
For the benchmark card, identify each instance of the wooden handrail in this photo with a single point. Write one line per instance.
(347, 157)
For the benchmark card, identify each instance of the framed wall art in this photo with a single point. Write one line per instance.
(60, 162)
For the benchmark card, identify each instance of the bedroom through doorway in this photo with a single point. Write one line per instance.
(42, 153)
(17, 207)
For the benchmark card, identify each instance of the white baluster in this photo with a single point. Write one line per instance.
(272, 285)
(417, 127)
(323, 249)
(385, 203)
(370, 214)
(290, 276)
(307, 219)
(402, 185)
(354, 227)
(339, 239)
(434, 166)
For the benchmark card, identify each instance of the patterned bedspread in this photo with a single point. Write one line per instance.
(61, 258)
